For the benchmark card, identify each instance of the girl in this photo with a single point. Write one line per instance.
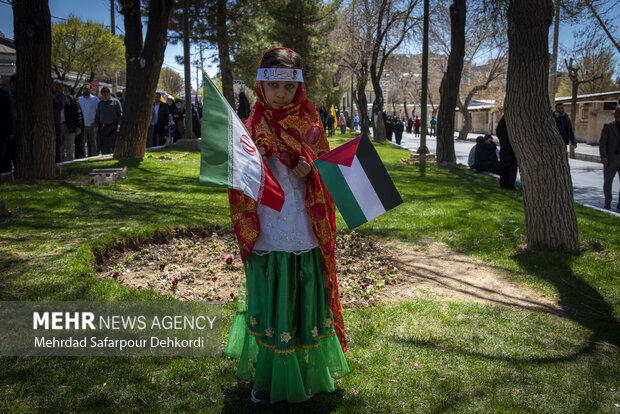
(288, 331)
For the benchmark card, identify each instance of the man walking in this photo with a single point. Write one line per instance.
(609, 148)
(88, 103)
(108, 120)
(564, 125)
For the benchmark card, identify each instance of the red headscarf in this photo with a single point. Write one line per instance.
(290, 132)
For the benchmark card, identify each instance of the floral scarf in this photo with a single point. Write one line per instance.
(290, 132)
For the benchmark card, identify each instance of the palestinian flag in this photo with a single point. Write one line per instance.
(229, 158)
(358, 181)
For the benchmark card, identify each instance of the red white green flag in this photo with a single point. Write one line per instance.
(229, 158)
(358, 181)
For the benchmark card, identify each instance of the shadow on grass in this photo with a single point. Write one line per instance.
(581, 302)
(237, 400)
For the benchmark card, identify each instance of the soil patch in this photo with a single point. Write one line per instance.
(207, 267)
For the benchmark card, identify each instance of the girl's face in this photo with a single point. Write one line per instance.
(279, 93)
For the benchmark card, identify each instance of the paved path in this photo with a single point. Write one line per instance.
(587, 176)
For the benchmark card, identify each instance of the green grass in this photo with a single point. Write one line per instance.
(428, 355)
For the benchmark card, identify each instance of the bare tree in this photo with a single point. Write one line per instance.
(354, 38)
(576, 80)
(393, 22)
(603, 13)
(494, 69)
(550, 217)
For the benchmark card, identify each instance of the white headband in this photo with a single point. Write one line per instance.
(279, 74)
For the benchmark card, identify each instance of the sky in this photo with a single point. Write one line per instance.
(97, 11)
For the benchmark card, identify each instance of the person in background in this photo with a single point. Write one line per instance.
(399, 127)
(330, 124)
(342, 123)
(88, 104)
(416, 125)
(389, 127)
(609, 148)
(179, 120)
(356, 122)
(58, 104)
(108, 120)
(507, 158)
(71, 126)
(433, 123)
(564, 125)
(7, 129)
(243, 109)
(486, 155)
(197, 120)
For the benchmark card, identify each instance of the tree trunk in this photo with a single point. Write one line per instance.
(406, 111)
(573, 114)
(143, 66)
(554, 54)
(449, 88)
(550, 217)
(224, 53)
(467, 122)
(378, 128)
(35, 138)
(362, 104)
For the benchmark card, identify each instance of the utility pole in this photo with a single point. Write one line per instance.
(113, 29)
(423, 148)
(189, 115)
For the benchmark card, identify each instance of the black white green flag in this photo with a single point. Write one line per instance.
(358, 181)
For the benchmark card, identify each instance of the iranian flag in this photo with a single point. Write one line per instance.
(358, 181)
(228, 157)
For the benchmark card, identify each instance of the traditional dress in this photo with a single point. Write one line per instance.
(288, 331)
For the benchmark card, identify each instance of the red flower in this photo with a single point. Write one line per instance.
(115, 275)
(175, 282)
(229, 261)
(214, 278)
(199, 235)
(162, 266)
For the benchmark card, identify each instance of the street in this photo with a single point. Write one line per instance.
(587, 176)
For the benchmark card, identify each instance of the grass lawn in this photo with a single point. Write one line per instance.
(427, 355)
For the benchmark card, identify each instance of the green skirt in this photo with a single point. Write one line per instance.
(283, 332)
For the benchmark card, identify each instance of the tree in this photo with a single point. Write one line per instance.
(449, 88)
(213, 25)
(493, 69)
(353, 38)
(171, 81)
(393, 23)
(601, 11)
(84, 49)
(550, 217)
(35, 141)
(144, 60)
(301, 25)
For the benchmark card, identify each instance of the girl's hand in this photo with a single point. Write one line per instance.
(302, 169)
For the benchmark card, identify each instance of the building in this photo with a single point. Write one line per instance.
(8, 57)
(593, 111)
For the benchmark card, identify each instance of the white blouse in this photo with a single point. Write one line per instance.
(289, 230)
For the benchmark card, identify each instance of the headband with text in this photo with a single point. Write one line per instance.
(279, 74)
